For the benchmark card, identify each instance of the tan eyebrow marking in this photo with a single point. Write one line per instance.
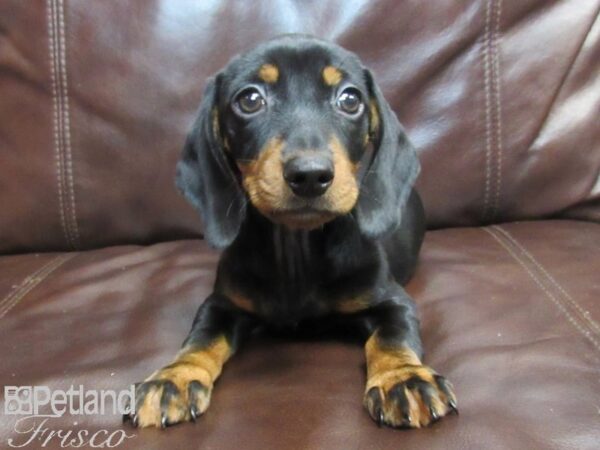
(332, 75)
(269, 73)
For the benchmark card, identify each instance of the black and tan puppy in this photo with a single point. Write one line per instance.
(304, 177)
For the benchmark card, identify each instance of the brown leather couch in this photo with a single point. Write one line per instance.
(104, 265)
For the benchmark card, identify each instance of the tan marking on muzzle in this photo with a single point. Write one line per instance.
(343, 192)
(269, 193)
(263, 178)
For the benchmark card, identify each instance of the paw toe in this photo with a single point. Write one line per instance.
(162, 403)
(410, 398)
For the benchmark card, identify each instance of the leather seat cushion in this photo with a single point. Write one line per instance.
(509, 314)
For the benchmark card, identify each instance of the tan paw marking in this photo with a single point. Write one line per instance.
(401, 392)
(181, 391)
(410, 396)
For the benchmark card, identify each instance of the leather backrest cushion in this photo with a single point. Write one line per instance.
(500, 98)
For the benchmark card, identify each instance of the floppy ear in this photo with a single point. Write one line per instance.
(205, 177)
(394, 167)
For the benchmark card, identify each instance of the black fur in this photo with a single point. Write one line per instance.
(205, 176)
(389, 180)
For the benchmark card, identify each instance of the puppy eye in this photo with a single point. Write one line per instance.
(350, 101)
(249, 101)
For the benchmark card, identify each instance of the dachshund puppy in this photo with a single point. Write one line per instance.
(304, 177)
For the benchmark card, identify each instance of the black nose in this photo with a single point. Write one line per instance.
(308, 176)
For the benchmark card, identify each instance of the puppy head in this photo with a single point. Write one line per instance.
(285, 128)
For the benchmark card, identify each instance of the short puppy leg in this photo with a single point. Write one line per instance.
(400, 390)
(181, 391)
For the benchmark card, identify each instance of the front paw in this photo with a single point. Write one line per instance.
(168, 397)
(410, 396)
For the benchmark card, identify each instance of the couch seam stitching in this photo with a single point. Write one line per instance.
(583, 316)
(61, 125)
(498, 99)
(57, 117)
(32, 281)
(23, 284)
(67, 125)
(562, 308)
(487, 94)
